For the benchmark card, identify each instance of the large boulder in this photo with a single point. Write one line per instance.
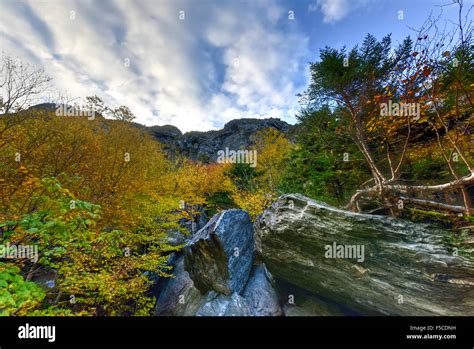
(369, 264)
(178, 296)
(260, 293)
(219, 256)
(220, 305)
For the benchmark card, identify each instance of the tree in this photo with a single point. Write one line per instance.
(272, 148)
(96, 197)
(447, 62)
(97, 105)
(256, 187)
(123, 113)
(325, 164)
(358, 84)
(20, 83)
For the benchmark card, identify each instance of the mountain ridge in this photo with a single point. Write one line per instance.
(204, 145)
(236, 134)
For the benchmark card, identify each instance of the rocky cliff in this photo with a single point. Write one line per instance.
(236, 134)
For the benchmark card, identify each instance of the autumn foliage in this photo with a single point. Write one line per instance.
(97, 197)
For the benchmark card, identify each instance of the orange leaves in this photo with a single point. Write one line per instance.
(23, 169)
(88, 156)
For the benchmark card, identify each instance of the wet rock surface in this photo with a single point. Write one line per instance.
(216, 304)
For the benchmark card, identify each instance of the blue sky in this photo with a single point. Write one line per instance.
(216, 61)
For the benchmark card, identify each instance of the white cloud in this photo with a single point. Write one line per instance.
(181, 72)
(260, 62)
(335, 10)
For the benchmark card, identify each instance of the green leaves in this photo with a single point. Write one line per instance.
(104, 270)
(16, 294)
(316, 166)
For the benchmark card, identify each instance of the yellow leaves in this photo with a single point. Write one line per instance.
(421, 119)
(272, 149)
(29, 182)
(23, 169)
(446, 54)
(254, 203)
(89, 156)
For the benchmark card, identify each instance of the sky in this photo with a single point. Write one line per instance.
(195, 64)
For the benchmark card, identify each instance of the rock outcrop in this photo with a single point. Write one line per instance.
(321, 261)
(219, 256)
(179, 297)
(216, 304)
(166, 134)
(236, 134)
(370, 264)
(214, 276)
(260, 293)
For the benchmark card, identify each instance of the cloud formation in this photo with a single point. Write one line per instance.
(333, 10)
(195, 69)
(336, 10)
(193, 64)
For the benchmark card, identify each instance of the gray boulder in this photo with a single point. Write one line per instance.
(220, 305)
(369, 264)
(178, 297)
(219, 256)
(260, 293)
